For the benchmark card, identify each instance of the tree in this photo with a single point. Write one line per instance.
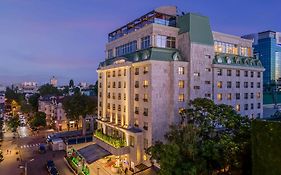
(209, 139)
(13, 123)
(38, 120)
(71, 83)
(48, 89)
(26, 108)
(13, 95)
(77, 106)
(33, 101)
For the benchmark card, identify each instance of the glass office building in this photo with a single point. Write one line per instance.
(267, 46)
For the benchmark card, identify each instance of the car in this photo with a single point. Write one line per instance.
(42, 148)
(53, 171)
(50, 164)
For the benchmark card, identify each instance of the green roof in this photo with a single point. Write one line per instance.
(198, 27)
(236, 60)
(161, 54)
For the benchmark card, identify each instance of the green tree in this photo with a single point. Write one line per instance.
(48, 89)
(33, 101)
(77, 106)
(13, 123)
(209, 139)
(13, 95)
(39, 119)
(25, 107)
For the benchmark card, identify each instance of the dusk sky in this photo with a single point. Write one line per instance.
(66, 38)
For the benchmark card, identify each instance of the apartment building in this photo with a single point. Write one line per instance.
(158, 62)
(55, 114)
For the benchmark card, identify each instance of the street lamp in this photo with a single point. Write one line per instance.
(25, 166)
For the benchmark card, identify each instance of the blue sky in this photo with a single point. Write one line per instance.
(66, 38)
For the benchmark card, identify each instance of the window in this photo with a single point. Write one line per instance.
(245, 95)
(145, 42)
(196, 87)
(208, 95)
(124, 109)
(132, 141)
(145, 143)
(136, 110)
(114, 85)
(237, 84)
(219, 84)
(119, 84)
(252, 106)
(259, 75)
(181, 84)
(219, 72)
(181, 70)
(258, 85)
(228, 72)
(258, 95)
(259, 106)
(124, 96)
(108, 74)
(165, 41)
(145, 97)
(113, 95)
(119, 96)
(137, 84)
(108, 105)
(207, 56)
(196, 74)
(207, 82)
(237, 96)
(108, 85)
(229, 96)
(245, 84)
(229, 84)
(136, 97)
(252, 74)
(237, 73)
(252, 95)
(126, 48)
(100, 75)
(208, 69)
(145, 70)
(108, 95)
(136, 71)
(252, 84)
(145, 126)
(113, 74)
(113, 106)
(181, 98)
(124, 84)
(100, 94)
(219, 97)
(110, 53)
(145, 83)
(237, 107)
(136, 123)
(119, 107)
(245, 73)
(246, 106)
(145, 111)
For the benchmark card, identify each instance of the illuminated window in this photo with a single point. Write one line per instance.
(196, 74)
(165, 41)
(145, 97)
(219, 84)
(145, 70)
(181, 98)
(229, 96)
(258, 95)
(181, 70)
(237, 107)
(132, 141)
(145, 83)
(181, 84)
(219, 97)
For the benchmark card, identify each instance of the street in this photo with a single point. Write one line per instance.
(22, 149)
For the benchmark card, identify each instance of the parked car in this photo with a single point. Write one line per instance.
(53, 171)
(50, 164)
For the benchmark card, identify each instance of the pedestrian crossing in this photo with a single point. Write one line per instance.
(30, 145)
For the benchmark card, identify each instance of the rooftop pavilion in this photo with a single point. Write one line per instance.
(163, 15)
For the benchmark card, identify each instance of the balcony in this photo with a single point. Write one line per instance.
(116, 146)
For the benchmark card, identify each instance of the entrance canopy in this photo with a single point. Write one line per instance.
(92, 153)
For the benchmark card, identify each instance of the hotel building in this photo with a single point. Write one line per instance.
(155, 64)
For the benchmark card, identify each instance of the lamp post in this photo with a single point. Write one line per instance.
(25, 166)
